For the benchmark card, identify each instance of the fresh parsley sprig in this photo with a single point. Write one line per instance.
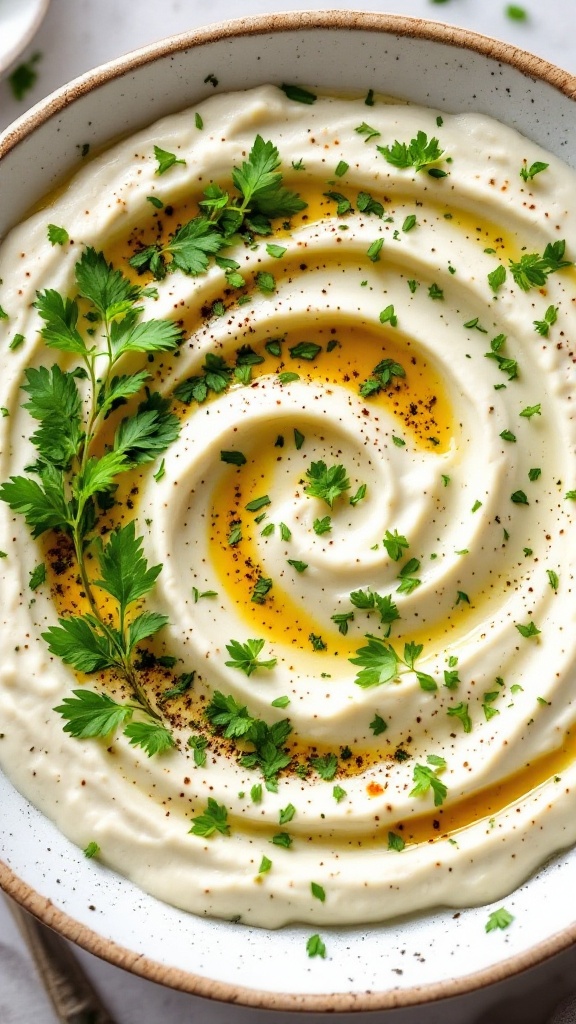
(261, 197)
(380, 663)
(419, 153)
(532, 270)
(74, 475)
(268, 742)
(245, 656)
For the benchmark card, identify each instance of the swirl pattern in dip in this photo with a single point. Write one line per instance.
(448, 782)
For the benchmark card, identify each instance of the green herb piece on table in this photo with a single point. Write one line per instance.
(24, 77)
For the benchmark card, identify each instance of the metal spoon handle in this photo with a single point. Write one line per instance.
(73, 996)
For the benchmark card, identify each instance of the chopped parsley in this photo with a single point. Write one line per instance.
(57, 236)
(299, 95)
(426, 778)
(244, 656)
(529, 173)
(326, 483)
(500, 918)
(532, 270)
(318, 892)
(315, 946)
(550, 318)
(419, 153)
(213, 819)
(165, 160)
(326, 766)
(395, 842)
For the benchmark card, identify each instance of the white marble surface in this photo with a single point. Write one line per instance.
(76, 36)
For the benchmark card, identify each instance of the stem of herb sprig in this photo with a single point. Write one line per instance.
(123, 664)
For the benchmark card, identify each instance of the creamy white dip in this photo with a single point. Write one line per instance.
(436, 468)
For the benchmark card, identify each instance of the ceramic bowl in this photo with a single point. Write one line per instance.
(411, 960)
(18, 24)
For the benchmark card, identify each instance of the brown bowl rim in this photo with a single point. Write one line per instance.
(41, 907)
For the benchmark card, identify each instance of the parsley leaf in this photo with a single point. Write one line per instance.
(322, 526)
(368, 131)
(286, 814)
(299, 95)
(460, 711)
(509, 366)
(153, 737)
(378, 725)
(550, 317)
(395, 544)
(79, 642)
(245, 656)
(261, 589)
(317, 891)
(378, 661)
(531, 629)
(395, 842)
(528, 173)
(124, 570)
(165, 160)
(426, 779)
(37, 576)
(225, 714)
(500, 918)
(532, 270)
(326, 483)
(359, 496)
(497, 277)
(315, 946)
(198, 744)
(57, 236)
(342, 619)
(42, 504)
(214, 819)
(326, 766)
(381, 376)
(307, 350)
(419, 153)
(260, 184)
(89, 714)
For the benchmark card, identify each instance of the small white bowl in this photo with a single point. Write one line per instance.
(19, 23)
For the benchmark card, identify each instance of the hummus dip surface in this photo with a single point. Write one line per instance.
(364, 525)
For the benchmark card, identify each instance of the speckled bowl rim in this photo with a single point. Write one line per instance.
(32, 901)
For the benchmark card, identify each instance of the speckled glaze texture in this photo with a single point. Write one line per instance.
(412, 960)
